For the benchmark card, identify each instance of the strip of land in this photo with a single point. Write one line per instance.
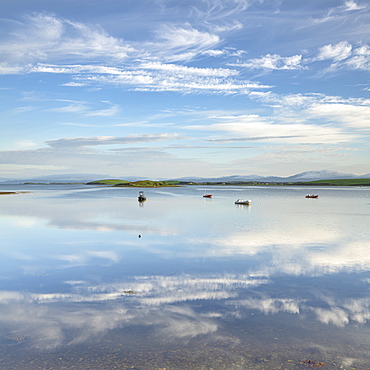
(338, 182)
(155, 184)
(135, 184)
(174, 183)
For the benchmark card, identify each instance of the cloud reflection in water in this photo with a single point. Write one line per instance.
(160, 302)
(46, 319)
(113, 280)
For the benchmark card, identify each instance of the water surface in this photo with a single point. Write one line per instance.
(92, 279)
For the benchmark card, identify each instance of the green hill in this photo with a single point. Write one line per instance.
(338, 182)
(109, 182)
(137, 184)
(148, 184)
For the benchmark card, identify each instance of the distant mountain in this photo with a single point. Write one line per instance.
(84, 178)
(65, 178)
(322, 175)
(303, 176)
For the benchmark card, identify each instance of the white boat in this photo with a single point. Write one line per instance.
(242, 201)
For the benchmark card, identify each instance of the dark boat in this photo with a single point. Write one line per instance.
(141, 197)
(242, 201)
(311, 196)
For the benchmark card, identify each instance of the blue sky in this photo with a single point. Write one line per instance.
(170, 88)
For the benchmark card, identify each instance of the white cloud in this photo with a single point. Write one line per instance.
(184, 41)
(254, 127)
(45, 37)
(109, 140)
(273, 62)
(351, 115)
(72, 68)
(154, 76)
(174, 69)
(359, 62)
(336, 52)
(213, 53)
(340, 115)
(145, 66)
(73, 84)
(351, 5)
(84, 108)
(161, 77)
(10, 69)
(174, 42)
(342, 11)
(342, 54)
(360, 59)
(111, 111)
(235, 25)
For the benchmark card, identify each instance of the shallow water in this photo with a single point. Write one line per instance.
(92, 279)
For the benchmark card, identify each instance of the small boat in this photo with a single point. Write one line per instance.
(206, 195)
(311, 196)
(141, 197)
(242, 201)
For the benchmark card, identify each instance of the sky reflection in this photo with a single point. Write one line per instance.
(74, 269)
(178, 306)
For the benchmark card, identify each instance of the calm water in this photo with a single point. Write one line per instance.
(91, 279)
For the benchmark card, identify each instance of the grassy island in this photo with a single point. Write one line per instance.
(148, 184)
(108, 182)
(135, 184)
